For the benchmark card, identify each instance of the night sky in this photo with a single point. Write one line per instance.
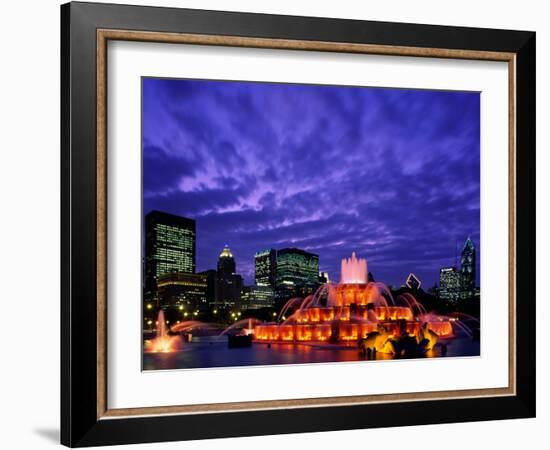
(392, 174)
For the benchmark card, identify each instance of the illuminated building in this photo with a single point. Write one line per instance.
(297, 266)
(265, 265)
(257, 296)
(169, 246)
(228, 284)
(297, 273)
(211, 280)
(468, 269)
(226, 263)
(180, 289)
(449, 283)
(413, 282)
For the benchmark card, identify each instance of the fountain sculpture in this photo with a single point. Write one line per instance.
(357, 310)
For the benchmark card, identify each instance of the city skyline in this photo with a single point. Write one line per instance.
(260, 278)
(390, 174)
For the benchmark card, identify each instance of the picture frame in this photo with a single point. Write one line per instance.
(86, 29)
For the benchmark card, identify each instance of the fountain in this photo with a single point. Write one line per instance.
(360, 311)
(354, 270)
(162, 342)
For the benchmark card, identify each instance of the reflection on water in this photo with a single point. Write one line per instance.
(204, 352)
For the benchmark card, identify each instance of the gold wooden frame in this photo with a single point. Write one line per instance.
(104, 35)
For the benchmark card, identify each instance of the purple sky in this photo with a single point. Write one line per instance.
(392, 174)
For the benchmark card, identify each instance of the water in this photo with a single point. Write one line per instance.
(204, 352)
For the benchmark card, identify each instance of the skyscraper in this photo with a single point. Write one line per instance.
(297, 266)
(228, 284)
(297, 273)
(226, 263)
(449, 283)
(265, 265)
(468, 269)
(169, 246)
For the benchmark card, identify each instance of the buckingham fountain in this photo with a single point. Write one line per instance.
(355, 312)
(358, 310)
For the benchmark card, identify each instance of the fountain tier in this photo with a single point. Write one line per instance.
(352, 310)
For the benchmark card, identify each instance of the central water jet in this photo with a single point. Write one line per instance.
(353, 270)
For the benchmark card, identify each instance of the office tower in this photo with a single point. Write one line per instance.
(449, 283)
(226, 263)
(297, 266)
(468, 269)
(297, 273)
(265, 265)
(229, 283)
(183, 291)
(211, 282)
(169, 246)
(257, 296)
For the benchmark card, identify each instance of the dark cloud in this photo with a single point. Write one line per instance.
(161, 171)
(392, 174)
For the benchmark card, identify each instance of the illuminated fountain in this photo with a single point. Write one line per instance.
(182, 332)
(162, 342)
(358, 311)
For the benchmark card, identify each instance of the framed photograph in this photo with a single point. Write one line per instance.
(276, 224)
